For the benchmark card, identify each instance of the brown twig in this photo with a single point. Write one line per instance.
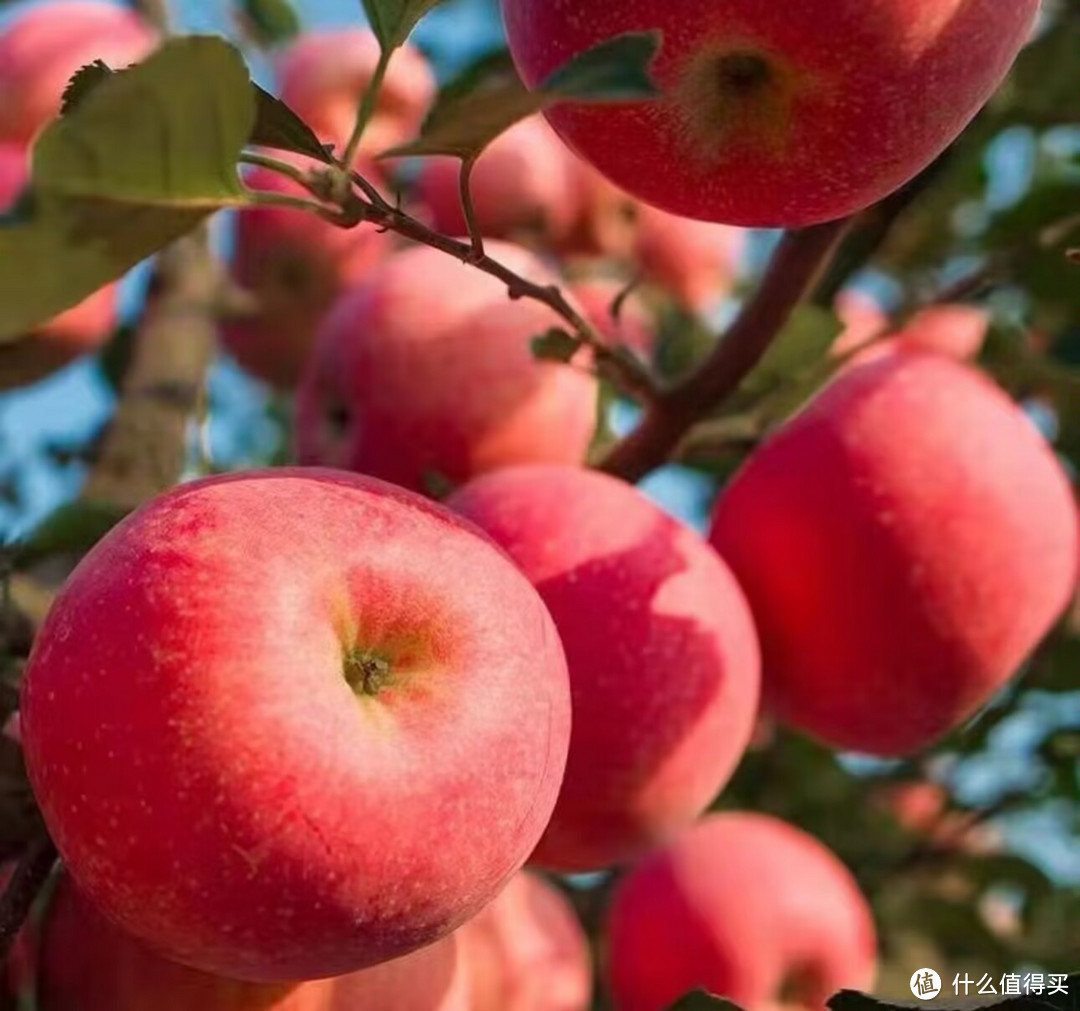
(798, 261)
(630, 375)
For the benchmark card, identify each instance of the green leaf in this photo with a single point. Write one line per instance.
(73, 529)
(277, 126)
(392, 21)
(165, 133)
(555, 346)
(793, 369)
(465, 121)
(141, 157)
(699, 1000)
(85, 80)
(272, 22)
(614, 71)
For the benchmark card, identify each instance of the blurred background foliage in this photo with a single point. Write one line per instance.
(969, 853)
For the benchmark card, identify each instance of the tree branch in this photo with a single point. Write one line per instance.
(145, 448)
(629, 375)
(797, 263)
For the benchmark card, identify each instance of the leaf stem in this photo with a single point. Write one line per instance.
(367, 106)
(796, 264)
(298, 175)
(331, 214)
(468, 208)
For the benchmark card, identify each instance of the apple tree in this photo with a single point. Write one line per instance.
(586, 513)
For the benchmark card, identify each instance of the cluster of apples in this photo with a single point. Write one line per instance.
(305, 737)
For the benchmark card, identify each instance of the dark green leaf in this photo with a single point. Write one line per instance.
(699, 1000)
(72, 530)
(851, 1000)
(793, 369)
(272, 22)
(614, 71)
(392, 21)
(85, 81)
(555, 346)
(464, 122)
(277, 126)
(139, 160)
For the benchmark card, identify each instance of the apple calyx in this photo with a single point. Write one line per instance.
(366, 673)
(743, 73)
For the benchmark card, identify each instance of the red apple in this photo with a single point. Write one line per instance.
(81, 329)
(863, 319)
(295, 264)
(662, 654)
(287, 745)
(905, 542)
(954, 329)
(696, 262)
(88, 964)
(43, 46)
(323, 75)
(523, 186)
(527, 951)
(745, 906)
(776, 115)
(633, 328)
(425, 368)
(607, 217)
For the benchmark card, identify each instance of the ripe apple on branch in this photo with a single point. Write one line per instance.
(348, 733)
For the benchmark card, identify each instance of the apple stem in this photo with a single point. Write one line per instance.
(797, 263)
(31, 873)
(367, 107)
(476, 235)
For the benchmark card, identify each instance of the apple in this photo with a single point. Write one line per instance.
(661, 649)
(79, 330)
(696, 262)
(43, 46)
(634, 328)
(424, 369)
(527, 951)
(745, 906)
(776, 115)
(87, 963)
(905, 542)
(607, 218)
(952, 329)
(523, 186)
(295, 264)
(863, 319)
(273, 738)
(323, 74)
